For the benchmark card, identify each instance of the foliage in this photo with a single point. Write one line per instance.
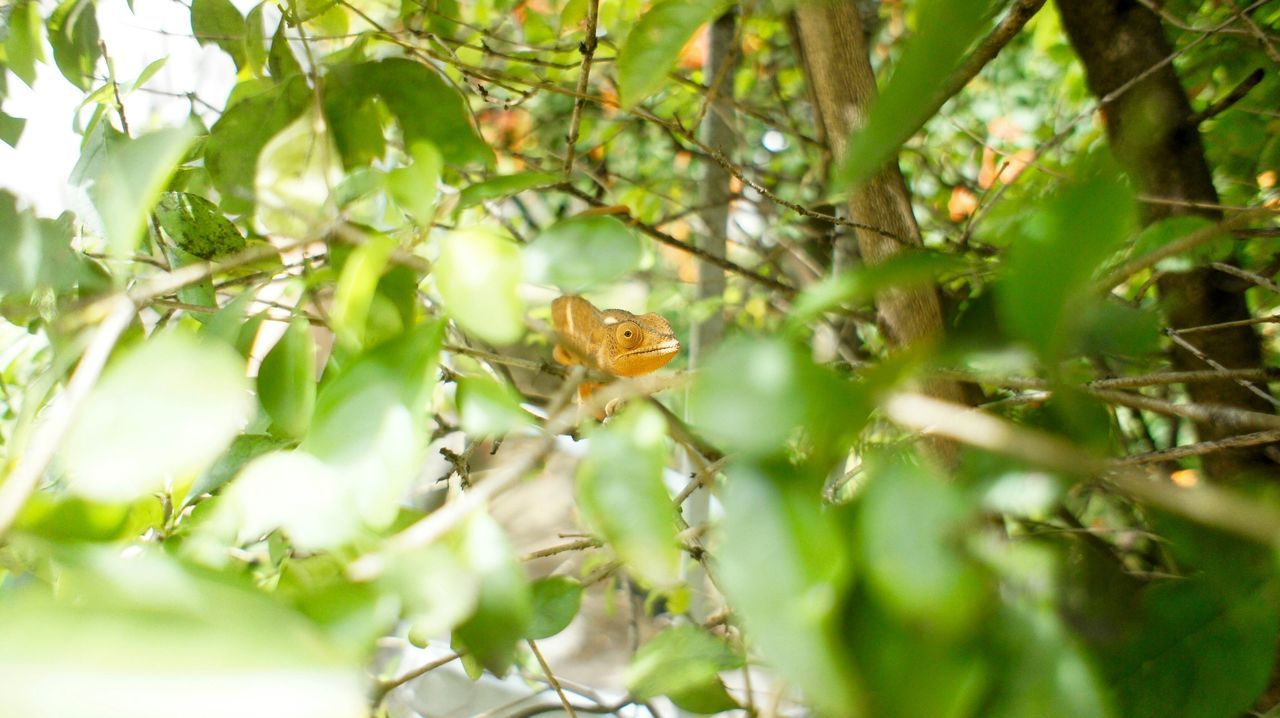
(219, 499)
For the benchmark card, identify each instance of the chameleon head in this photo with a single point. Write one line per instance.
(636, 344)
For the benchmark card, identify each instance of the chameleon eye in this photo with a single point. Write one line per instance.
(629, 335)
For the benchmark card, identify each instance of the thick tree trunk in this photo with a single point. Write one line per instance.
(838, 68)
(1153, 135)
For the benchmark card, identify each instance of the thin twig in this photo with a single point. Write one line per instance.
(381, 690)
(551, 678)
(1202, 448)
(588, 49)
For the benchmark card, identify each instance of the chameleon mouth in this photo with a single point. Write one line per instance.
(668, 347)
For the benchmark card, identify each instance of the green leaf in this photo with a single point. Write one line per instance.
(294, 492)
(478, 276)
(147, 635)
(287, 380)
(23, 47)
(218, 22)
(436, 586)
(861, 284)
(425, 106)
(368, 423)
(163, 411)
(684, 662)
(304, 10)
(504, 610)
(237, 138)
(255, 45)
(149, 72)
(581, 252)
(296, 174)
(504, 186)
(555, 602)
(356, 285)
(1046, 289)
(489, 407)
(281, 62)
(71, 519)
(196, 226)
(754, 394)
(416, 187)
(1216, 629)
(907, 523)
(243, 449)
(912, 673)
(946, 29)
(651, 49)
(621, 493)
(73, 35)
(1045, 673)
(130, 178)
(34, 253)
(11, 128)
(792, 610)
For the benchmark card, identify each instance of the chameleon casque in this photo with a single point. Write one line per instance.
(613, 341)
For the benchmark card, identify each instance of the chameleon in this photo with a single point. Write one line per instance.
(613, 341)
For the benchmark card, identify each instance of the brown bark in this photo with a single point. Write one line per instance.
(838, 68)
(1153, 134)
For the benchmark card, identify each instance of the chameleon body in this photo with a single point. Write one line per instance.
(613, 341)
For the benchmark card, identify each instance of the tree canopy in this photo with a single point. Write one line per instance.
(972, 413)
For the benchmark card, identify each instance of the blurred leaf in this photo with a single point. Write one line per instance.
(437, 588)
(683, 663)
(297, 171)
(913, 673)
(165, 410)
(255, 45)
(287, 380)
(138, 637)
(1045, 289)
(196, 226)
(478, 275)
(861, 284)
(237, 138)
(34, 253)
(792, 610)
(621, 493)
(218, 22)
(489, 407)
(581, 252)
(909, 521)
(70, 518)
(754, 393)
(555, 601)
(504, 611)
(242, 450)
(653, 45)
(504, 186)
(225, 325)
(369, 422)
(415, 187)
(1045, 672)
(295, 492)
(281, 62)
(426, 107)
(945, 30)
(1161, 232)
(11, 128)
(356, 285)
(304, 10)
(1119, 330)
(73, 35)
(22, 47)
(130, 178)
